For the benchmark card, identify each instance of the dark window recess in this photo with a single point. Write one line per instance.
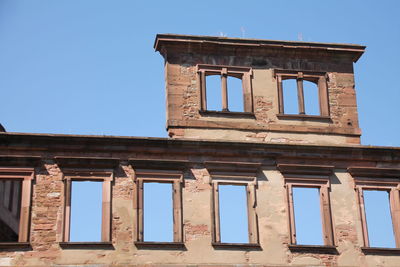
(10, 209)
(307, 215)
(158, 212)
(233, 214)
(379, 219)
(86, 211)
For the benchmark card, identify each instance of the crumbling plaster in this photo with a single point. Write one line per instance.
(262, 139)
(47, 211)
(185, 120)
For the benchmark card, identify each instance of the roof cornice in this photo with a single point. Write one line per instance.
(164, 39)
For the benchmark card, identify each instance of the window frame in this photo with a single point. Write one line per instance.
(234, 173)
(175, 177)
(378, 179)
(106, 176)
(318, 78)
(309, 176)
(27, 176)
(243, 73)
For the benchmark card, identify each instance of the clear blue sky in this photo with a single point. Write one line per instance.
(89, 67)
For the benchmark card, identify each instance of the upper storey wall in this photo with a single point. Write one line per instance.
(263, 66)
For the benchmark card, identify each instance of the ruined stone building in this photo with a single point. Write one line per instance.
(262, 145)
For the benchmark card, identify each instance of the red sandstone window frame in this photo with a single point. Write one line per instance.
(106, 176)
(174, 177)
(319, 78)
(379, 179)
(234, 173)
(27, 176)
(309, 176)
(243, 73)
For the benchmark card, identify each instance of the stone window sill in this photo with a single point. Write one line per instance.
(15, 245)
(227, 114)
(313, 249)
(304, 117)
(160, 245)
(239, 246)
(86, 245)
(380, 251)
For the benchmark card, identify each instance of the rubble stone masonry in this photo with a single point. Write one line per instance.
(263, 149)
(48, 200)
(183, 54)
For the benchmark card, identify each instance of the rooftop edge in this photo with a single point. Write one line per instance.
(358, 50)
(189, 141)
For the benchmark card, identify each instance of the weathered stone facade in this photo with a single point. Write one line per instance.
(262, 152)
(183, 55)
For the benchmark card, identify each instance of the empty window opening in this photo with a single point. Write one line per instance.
(379, 219)
(86, 211)
(225, 88)
(304, 93)
(214, 97)
(307, 215)
(10, 209)
(158, 212)
(290, 96)
(235, 94)
(233, 214)
(311, 98)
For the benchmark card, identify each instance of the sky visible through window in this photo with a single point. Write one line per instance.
(379, 220)
(290, 97)
(311, 98)
(158, 212)
(307, 216)
(213, 92)
(86, 207)
(233, 214)
(290, 100)
(94, 54)
(235, 94)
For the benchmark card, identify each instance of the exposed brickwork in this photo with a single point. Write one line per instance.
(260, 150)
(193, 232)
(343, 100)
(47, 208)
(190, 108)
(200, 183)
(123, 185)
(262, 108)
(347, 233)
(46, 224)
(325, 260)
(184, 92)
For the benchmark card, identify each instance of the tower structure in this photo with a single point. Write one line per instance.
(232, 124)
(253, 91)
